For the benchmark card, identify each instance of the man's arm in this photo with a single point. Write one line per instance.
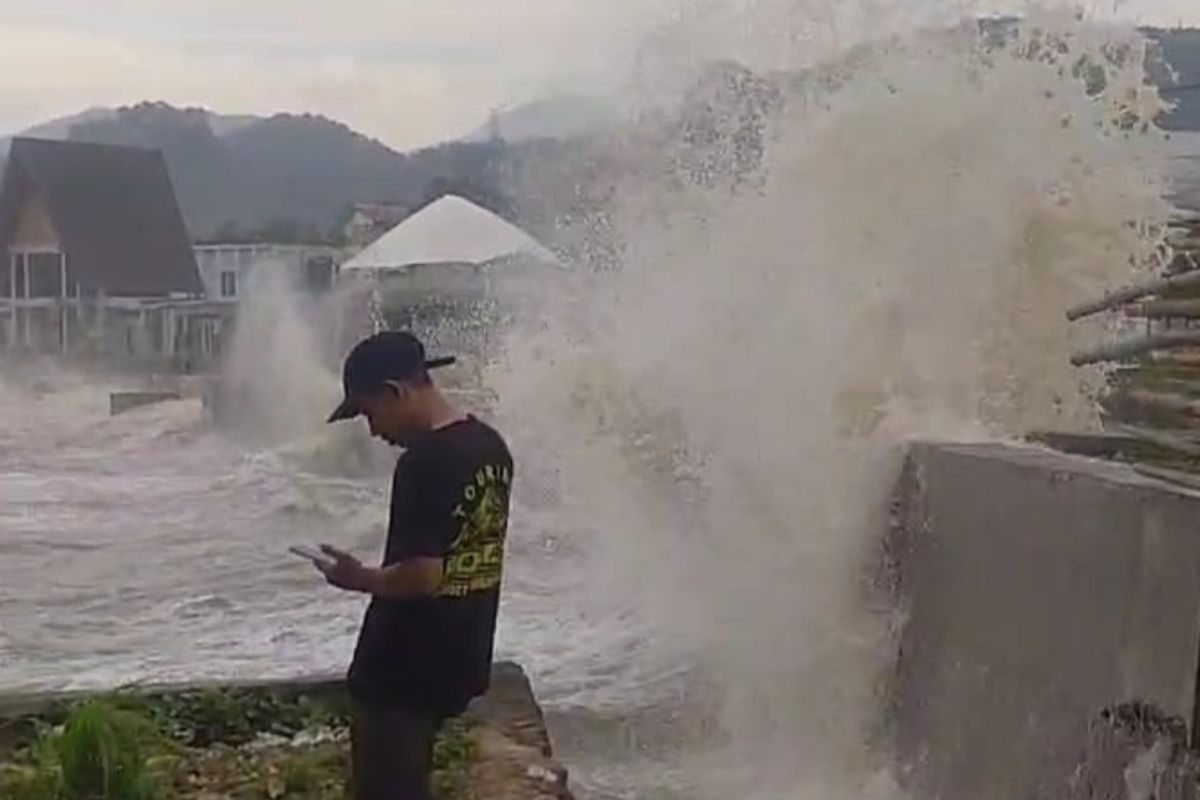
(405, 580)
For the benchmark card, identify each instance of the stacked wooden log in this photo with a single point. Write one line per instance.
(1154, 382)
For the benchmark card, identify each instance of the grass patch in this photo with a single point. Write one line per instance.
(238, 716)
(453, 755)
(101, 752)
(239, 744)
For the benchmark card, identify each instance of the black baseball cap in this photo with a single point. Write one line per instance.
(386, 356)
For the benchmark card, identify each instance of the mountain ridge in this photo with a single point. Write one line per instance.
(297, 176)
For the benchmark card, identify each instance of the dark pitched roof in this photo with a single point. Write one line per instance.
(115, 212)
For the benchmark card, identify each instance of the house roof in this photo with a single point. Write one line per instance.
(450, 230)
(114, 210)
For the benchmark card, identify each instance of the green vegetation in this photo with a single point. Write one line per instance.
(452, 757)
(101, 753)
(237, 716)
(241, 744)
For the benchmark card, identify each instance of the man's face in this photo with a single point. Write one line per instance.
(390, 413)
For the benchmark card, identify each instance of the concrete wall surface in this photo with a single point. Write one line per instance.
(120, 402)
(1038, 588)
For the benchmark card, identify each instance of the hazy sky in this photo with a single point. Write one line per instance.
(409, 72)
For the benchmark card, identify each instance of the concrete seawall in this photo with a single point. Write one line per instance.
(121, 402)
(1039, 588)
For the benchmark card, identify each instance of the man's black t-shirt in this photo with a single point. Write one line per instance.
(450, 500)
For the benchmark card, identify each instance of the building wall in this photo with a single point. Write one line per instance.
(34, 229)
(1039, 588)
(31, 267)
(226, 269)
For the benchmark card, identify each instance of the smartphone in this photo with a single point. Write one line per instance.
(312, 554)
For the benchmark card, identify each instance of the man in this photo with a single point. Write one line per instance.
(425, 648)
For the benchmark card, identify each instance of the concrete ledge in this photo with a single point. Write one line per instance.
(23, 704)
(514, 761)
(1038, 589)
(120, 402)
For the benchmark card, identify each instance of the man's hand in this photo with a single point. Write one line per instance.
(345, 571)
(413, 577)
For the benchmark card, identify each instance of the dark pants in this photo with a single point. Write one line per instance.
(392, 753)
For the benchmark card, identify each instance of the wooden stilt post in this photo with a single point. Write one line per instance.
(28, 293)
(12, 298)
(63, 296)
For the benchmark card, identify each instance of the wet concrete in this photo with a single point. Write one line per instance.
(1038, 589)
(120, 402)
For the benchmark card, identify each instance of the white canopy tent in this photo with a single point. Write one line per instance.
(451, 230)
(451, 272)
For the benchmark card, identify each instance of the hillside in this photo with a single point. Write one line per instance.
(297, 176)
(304, 171)
(61, 128)
(289, 177)
(1181, 50)
(559, 116)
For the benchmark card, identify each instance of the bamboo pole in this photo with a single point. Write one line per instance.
(1135, 346)
(1123, 439)
(1164, 309)
(1185, 359)
(1120, 297)
(1185, 479)
(1166, 402)
(1176, 441)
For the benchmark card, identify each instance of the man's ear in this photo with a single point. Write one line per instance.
(397, 388)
